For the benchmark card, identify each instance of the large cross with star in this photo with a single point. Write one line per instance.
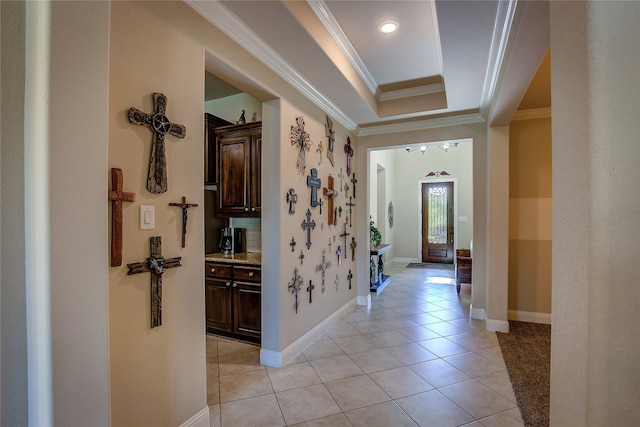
(160, 126)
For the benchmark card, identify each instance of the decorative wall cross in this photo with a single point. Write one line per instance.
(319, 149)
(294, 286)
(157, 265)
(353, 248)
(341, 176)
(292, 199)
(331, 194)
(185, 207)
(292, 244)
(320, 203)
(324, 265)
(349, 277)
(300, 139)
(345, 234)
(330, 244)
(351, 205)
(338, 254)
(353, 181)
(301, 257)
(331, 135)
(337, 281)
(310, 288)
(349, 152)
(117, 196)
(160, 126)
(308, 225)
(314, 182)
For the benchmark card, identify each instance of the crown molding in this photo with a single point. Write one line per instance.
(439, 122)
(533, 113)
(218, 15)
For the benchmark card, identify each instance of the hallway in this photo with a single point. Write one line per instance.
(413, 358)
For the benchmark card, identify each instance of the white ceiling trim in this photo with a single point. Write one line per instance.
(533, 113)
(329, 21)
(227, 22)
(501, 31)
(412, 91)
(422, 124)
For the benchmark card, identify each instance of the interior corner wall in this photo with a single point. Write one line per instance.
(530, 219)
(596, 206)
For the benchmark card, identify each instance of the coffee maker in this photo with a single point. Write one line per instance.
(231, 240)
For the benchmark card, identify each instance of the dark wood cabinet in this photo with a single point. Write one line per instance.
(233, 299)
(211, 122)
(239, 168)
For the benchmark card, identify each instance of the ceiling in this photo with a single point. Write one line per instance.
(449, 62)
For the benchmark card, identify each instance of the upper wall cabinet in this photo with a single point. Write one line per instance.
(211, 122)
(239, 154)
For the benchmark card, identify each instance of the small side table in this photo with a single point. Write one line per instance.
(378, 279)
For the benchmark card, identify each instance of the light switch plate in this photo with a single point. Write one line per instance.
(147, 217)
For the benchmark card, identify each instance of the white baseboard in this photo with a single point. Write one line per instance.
(494, 325)
(366, 300)
(201, 419)
(530, 316)
(280, 359)
(478, 313)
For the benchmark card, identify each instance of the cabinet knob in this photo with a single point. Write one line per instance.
(213, 270)
(228, 284)
(235, 284)
(253, 209)
(251, 274)
(246, 209)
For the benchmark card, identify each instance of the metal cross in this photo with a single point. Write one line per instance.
(331, 135)
(157, 265)
(314, 182)
(338, 253)
(160, 126)
(294, 286)
(349, 152)
(337, 282)
(349, 277)
(341, 176)
(353, 181)
(292, 199)
(351, 205)
(185, 207)
(320, 203)
(330, 244)
(117, 196)
(308, 225)
(353, 248)
(292, 244)
(301, 257)
(345, 234)
(323, 267)
(310, 288)
(319, 149)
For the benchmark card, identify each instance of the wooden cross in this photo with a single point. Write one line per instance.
(351, 205)
(349, 277)
(338, 253)
(314, 182)
(117, 196)
(331, 135)
(157, 265)
(337, 282)
(353, 248)
(308, 225)
(310, 288)
(185, 207)
(331, 194)
(294, 286)
(160, 126)
(323, 267)
(292, 244)
(292, 199)
(353, 181)
(341, 176)
(301, 257)
(349, 152)
(345, 234)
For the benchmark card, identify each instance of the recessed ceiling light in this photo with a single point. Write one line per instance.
(388, 26)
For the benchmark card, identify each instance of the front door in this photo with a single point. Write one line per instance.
(437, 222)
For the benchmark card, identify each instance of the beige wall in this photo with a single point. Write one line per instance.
(530, 219)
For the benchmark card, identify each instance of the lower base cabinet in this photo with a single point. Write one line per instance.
(233, 300)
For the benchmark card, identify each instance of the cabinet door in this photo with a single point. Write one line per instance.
(255, 173)
(211, 122)
(246, 309)
(233, 174)
(218, 305)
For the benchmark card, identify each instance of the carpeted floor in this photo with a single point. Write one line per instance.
(527, 354)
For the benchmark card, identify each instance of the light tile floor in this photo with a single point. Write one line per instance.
(413, 358)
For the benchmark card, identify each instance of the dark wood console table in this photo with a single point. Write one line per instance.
(378, 279)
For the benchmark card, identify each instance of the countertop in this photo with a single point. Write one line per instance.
(251, 258)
